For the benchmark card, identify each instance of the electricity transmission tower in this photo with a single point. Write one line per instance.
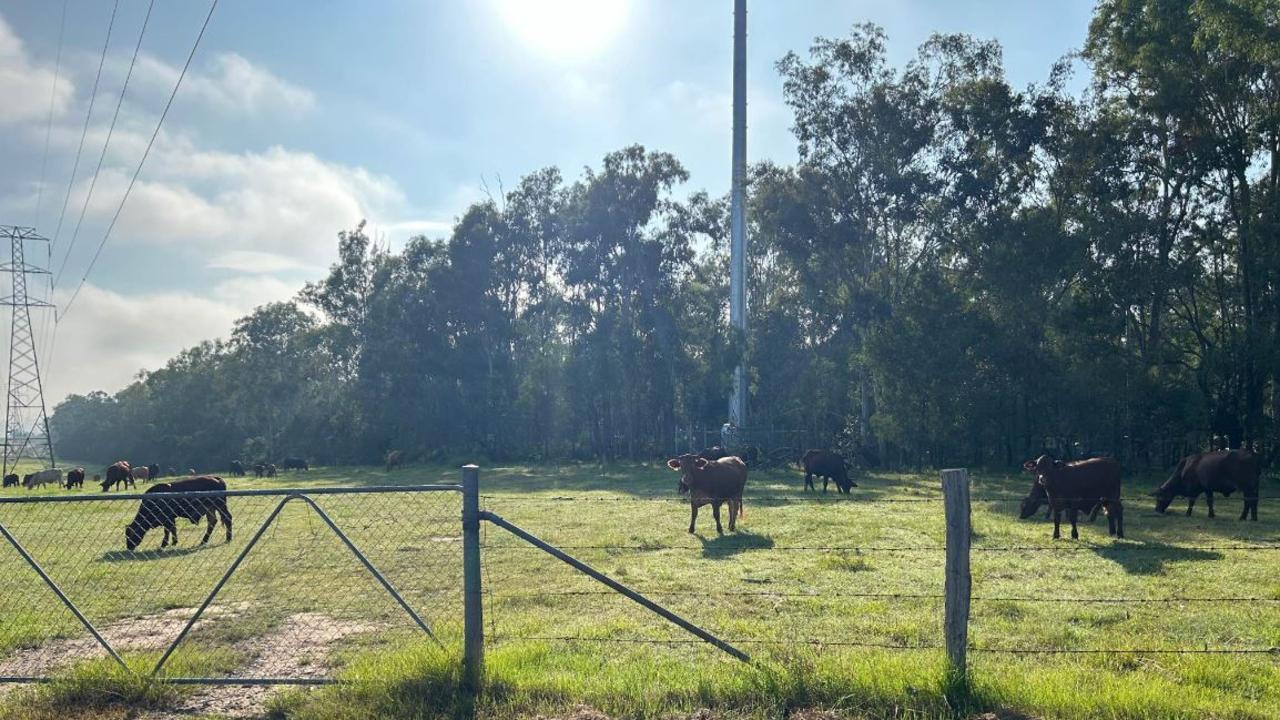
(26, 422)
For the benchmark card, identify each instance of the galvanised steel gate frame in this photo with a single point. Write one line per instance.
(286, 496)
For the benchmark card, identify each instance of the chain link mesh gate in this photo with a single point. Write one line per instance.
(309, 579)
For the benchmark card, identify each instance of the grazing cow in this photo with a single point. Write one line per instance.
(237, 468)
(829, 466)
(395, 459)
(75, 478)
(153, 470)
(713, 453)
(259, 469)
(118, 474)
(1223, 471)
(12, 480)
(271, 470)
(52, 476)
(161, 511)
(294, 463)
(142, 473)
(1087, 485)
(714, 483)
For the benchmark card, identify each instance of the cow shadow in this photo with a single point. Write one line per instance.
(115, 556)
(730, 544)
(1148, 557)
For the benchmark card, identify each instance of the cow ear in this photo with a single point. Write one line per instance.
(673, 464)
(1029, 465)
(700, 463)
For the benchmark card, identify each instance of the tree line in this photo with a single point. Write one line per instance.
(956, 270)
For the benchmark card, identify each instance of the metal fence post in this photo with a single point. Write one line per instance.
(473, 608)
(955, 490)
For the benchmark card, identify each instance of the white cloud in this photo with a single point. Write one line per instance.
(110, 337)
(25, 85)
(254, 262)
(229, 83)
(247, 292)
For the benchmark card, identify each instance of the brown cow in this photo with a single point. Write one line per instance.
(395, 459)
(118, 474)
(1081, 485)
(1223, 471)
(711, 482)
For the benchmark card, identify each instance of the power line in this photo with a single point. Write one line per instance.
(44, 165)
(107, 235)
(75, 166)
(103, 155)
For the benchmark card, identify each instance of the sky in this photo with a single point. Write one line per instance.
(299, 119)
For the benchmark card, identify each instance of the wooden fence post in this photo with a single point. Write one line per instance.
(955, 491)
(472, 598)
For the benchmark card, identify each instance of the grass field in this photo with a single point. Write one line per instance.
(808, 586)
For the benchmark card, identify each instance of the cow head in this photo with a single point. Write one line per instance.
(1172, 488)
(686, 465)
(133, 535)
(1034, 499)
(1042, 467)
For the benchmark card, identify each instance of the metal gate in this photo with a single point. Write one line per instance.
(308, 579)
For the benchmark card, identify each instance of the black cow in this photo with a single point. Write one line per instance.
(75, 478)
(829, 466)
(259, 469)
(1081, 486)
(12, 480)
(166, 502)
(271, 470)
(154, 470)
(1224, 471)
(237, 468)
(294, 463)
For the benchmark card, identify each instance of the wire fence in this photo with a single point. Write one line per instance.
(897, 619)
(287, 581)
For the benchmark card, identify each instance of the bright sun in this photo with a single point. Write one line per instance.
(565, 28)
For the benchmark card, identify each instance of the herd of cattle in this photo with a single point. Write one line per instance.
(715, 477)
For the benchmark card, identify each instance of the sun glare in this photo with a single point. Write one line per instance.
(571, 29)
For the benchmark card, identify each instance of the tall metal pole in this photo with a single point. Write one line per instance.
(737, 210)
(26, 427)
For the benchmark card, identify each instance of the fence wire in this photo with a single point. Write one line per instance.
(296, 602)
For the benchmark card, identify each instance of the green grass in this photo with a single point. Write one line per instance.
(768, 586)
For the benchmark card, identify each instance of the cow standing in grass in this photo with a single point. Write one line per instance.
(1083, 485)
(142, 473)
(166, 502)
(829, 466)
(75, 478)
(119, 473)
(52, 476)
(1224, 471)
(12, 480)
(395, 459)
(714, 483)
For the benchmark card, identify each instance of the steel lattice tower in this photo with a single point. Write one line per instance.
(26, 422)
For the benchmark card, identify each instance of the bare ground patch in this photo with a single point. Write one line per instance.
(298, 648)
(143, 632)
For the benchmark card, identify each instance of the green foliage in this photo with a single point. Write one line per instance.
(955, 271)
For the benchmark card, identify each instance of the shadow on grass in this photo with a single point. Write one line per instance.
(1149, 557)
(114, 556)
(723, 546)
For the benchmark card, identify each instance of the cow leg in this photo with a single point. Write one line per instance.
(808, 481)
(1111, 519)
(735, 509)
(226, 520)
(210, 522)
(1057, 523)
(1074, 514)
(825, 480)
(715, 510)
(693, 516)
(1208, 498)
(1117, 509)
(1191, 503)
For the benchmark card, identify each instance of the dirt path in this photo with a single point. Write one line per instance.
(145, 632)
(298, 648)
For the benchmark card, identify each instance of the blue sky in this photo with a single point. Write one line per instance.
(300, 118)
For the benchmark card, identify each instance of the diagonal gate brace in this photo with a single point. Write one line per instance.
(386, 584)
(614, 585)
